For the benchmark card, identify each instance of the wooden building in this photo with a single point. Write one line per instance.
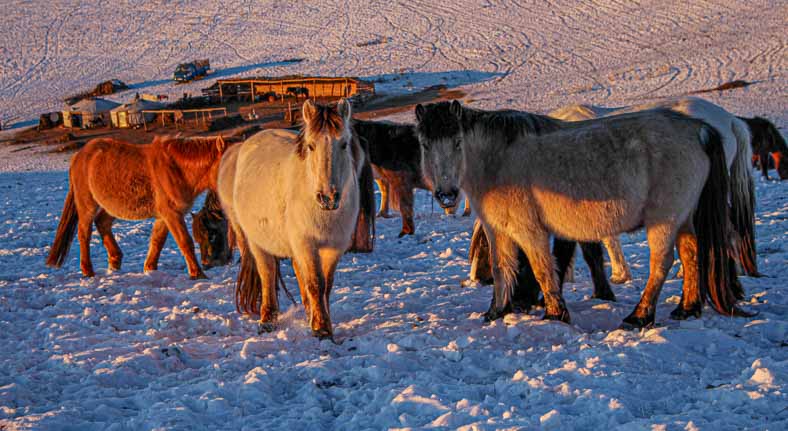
(272, 89)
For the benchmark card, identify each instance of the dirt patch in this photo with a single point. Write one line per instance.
(732, 85)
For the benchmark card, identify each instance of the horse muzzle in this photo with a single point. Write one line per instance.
(447, 199)
(328, 202)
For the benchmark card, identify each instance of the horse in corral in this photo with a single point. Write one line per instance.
(212, 234)
(294, 195)
(111, 179)
(767, 140)
(393, 151)
(529, 176)
(736, 141)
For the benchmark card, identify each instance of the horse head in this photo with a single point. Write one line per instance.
(332, 156)
(210, 230)
(441, 137)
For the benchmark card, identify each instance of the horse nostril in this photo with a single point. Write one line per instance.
(336, 197)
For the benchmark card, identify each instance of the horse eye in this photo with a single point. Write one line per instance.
(344, 145)
(457, 144)
(310, 147)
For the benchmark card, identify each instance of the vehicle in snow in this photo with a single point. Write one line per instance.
(196, 69)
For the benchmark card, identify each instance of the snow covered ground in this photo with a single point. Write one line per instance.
(128, 350)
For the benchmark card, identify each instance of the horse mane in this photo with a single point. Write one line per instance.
(442, 122)
(326, 121)
(512, 124)
(195, 150)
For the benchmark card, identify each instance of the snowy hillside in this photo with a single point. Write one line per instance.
(131, 351)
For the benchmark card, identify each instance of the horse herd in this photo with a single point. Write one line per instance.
(680, 169)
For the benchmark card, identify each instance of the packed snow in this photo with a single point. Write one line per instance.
(129, 350)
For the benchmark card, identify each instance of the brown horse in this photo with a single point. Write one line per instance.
(112, 179)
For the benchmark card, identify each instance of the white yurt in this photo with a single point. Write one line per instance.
(130, 114)
(88, 113)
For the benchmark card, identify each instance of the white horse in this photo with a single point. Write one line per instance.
(736, 141)
(294, 196)
(529, 176)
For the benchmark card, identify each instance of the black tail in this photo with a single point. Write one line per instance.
(66, 230)
(249, 287)
(711, 226)
(479, 255)
(364, 236)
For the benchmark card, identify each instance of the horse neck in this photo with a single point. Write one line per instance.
(481, 159)
(199, 177)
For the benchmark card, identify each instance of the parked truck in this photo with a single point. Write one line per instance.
(196, 69)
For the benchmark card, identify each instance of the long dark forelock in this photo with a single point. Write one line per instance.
(326, 121)
(438, 122)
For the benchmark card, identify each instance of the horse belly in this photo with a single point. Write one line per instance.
(125, 193)
(589, 220)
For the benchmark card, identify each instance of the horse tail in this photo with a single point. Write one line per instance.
(479, 255)
(66, 230)
(364, 235)
(711, 226)
(743, 201)
(249, 287)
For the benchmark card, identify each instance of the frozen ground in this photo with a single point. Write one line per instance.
(128, 351)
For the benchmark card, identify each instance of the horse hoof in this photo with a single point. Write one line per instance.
(636, 322)
(404, 232)
(383, 215)
(88, 272)
(681, 314)
(323, 334)
(620, 279)
(605, 296)
(563, 316)
(266, 327)
(199, 276)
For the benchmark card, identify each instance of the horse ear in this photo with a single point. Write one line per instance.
(344, 109)
(456, 109)
(308, 111)
(419, 112)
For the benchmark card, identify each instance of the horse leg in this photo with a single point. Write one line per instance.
(177, 228)
(526, 288)
(594, 257)
(404, 194)
(86, 211)
(503, 260)
(536, 246)
(267, 267)
(104, 225)
(329, 258)
(383, 186)
(620, 268)
(763, 157)
(661, 240)
(310, 280)
(691, 303)
(466, 212)
(564, 252)
(158, 237)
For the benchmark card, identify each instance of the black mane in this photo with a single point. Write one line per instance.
(438, 121)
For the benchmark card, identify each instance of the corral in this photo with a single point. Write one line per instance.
(272, 89)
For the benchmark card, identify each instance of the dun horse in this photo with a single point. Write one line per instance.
(295, 196)
(736, 141)
(530, 176)
(111, 179)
